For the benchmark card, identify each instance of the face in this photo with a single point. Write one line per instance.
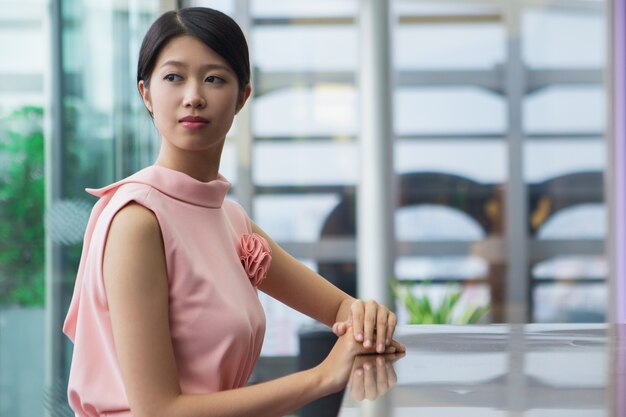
(193, 95)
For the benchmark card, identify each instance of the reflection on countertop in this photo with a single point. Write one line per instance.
(532, 370)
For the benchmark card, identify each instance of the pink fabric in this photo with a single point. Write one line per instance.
(256, 256)
(217, 323)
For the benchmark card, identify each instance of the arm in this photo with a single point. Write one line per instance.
(297, 286)
(137, 292)
(301, 288)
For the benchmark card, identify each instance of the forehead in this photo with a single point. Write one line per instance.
(189, 51)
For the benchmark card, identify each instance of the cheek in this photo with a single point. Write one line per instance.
(163, 109)
(229, 104)
(162, 100)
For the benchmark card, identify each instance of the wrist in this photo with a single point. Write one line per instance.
(343, 312)
(324, 379)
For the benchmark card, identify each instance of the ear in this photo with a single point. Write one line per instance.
(243, 97)
(145, 95)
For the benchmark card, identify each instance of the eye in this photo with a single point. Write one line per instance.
(172, 77)
(214, 79)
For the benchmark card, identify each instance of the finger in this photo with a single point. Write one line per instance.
(370, 351)
(340, 328)
(357, 390)
(382, 317)
(394, 357)
(356, 312)
(390, 349)
(399, 346)
(369, 381)
(359, 360)
(392, 378)
(369, 323)
(382, 382)
(392, 321)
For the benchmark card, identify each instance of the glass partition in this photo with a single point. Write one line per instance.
(465, 141)
(453, 120)
(105, 132)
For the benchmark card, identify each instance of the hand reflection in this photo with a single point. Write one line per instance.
(373, 375)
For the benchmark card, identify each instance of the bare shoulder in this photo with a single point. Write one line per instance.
(134, 250)
(135, 219)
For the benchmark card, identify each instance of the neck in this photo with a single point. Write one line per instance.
(201, 165)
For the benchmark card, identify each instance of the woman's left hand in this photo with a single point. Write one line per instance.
(373, 324)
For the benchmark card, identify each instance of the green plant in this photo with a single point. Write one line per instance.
(421, 310)
(22, 208)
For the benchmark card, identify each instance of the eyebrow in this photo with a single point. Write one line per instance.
(206, 66)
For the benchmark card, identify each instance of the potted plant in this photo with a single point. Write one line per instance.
(422, 310)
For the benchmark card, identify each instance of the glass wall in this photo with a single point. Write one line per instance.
(103, 133)
(100, 133)
(498, 114)
(565, 159)
(22, 270)
(461, 124)
(499, 142)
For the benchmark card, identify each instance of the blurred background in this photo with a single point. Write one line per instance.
(492, 100)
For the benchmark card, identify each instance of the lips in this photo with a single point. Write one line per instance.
(193, 122)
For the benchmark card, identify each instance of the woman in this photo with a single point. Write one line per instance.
(165, 316)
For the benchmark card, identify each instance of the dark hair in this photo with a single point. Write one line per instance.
(213, 28)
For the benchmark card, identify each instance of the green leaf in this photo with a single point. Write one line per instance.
(22, 187)
(421, 311)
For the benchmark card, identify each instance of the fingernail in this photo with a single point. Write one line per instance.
(359, 337)
(381, 348)
(367, 344)
(392, 349)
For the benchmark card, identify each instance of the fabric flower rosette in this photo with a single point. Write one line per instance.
(256, 257)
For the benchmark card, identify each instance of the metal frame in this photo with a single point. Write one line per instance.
(516, 194)
(244, 189)
(376, 192)
(616, 161)
(489, 79)
(345, 249)
(55, 364)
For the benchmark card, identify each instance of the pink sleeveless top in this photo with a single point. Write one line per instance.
(216, 321)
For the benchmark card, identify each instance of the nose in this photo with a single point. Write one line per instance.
(194, 98)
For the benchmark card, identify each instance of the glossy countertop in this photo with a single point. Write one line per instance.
(533, 370)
